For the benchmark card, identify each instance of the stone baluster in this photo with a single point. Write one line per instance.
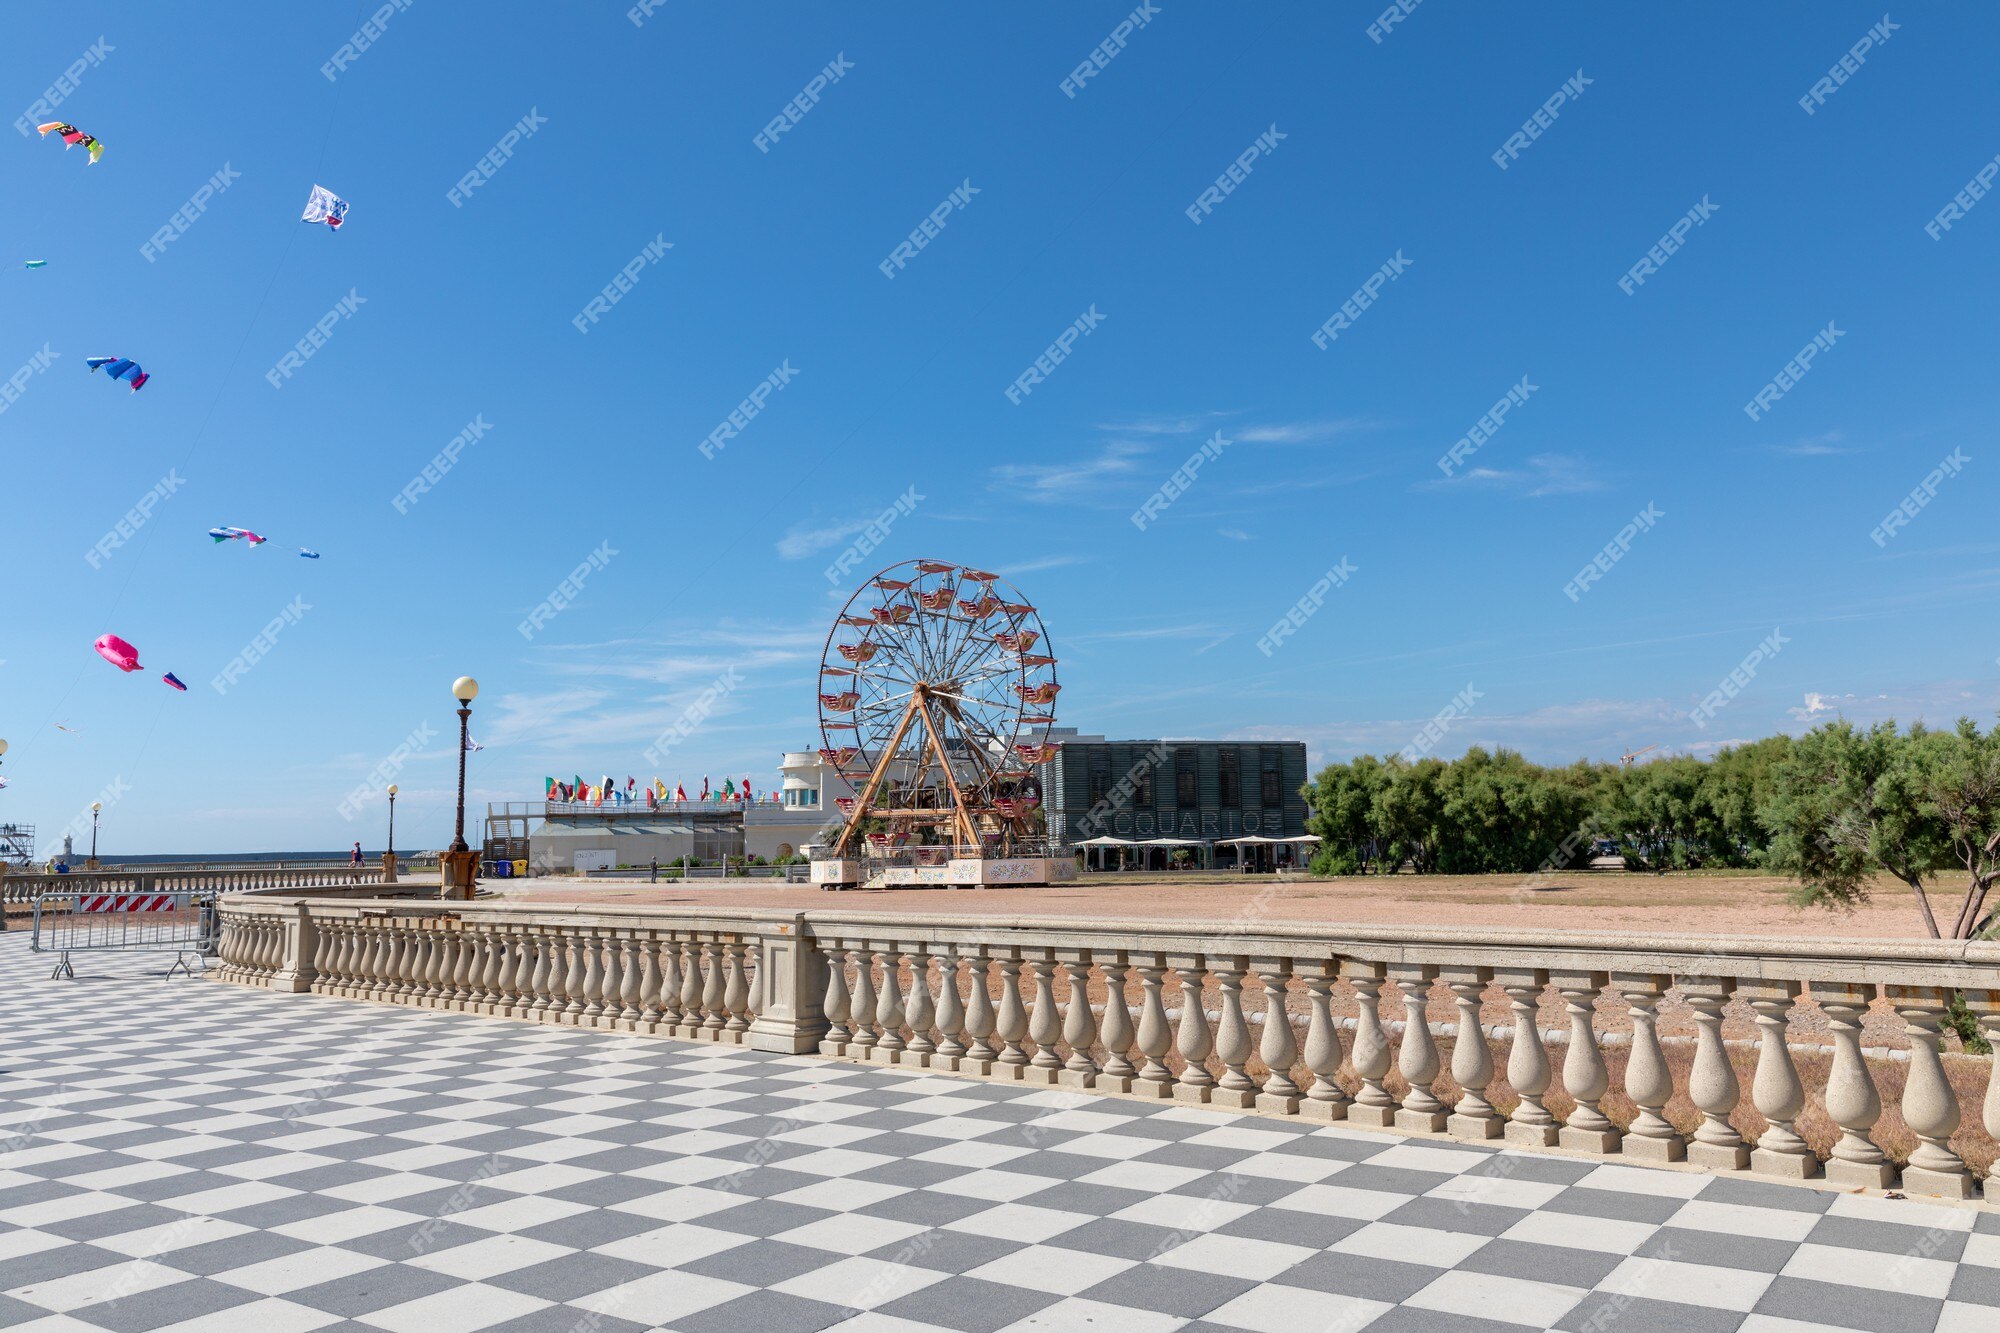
(423, 990)
(980, 1056)
(613, 983)
(1155, 1034)
(1279, 1049)
(1326, 1099)
(862, 1040)
(1712, 1084)
(1471, 1060)
(1079, 1026)
(593, 979)
(889, 1042)
(1648, 1081)
(950, 1013)
(1930, 1106)
(1985, 1005)
(1585, 1076)
(691, 988)
(920, 1011)
(630, 970)
(573, 973)
(452, 943)
(1194, 1040)
(539, 979)
(650, 1012)
(735, 993)
(670, 986)
(1010, 1023)
(492, 981)
(1528, 1069)
(835, 1004)
(1117, 1072)
(416, 963)
(521, 986)
(371, 977)
(345, 959)
(1370, 1053)
(1418, 1061)
(713, 987)
(1776, 1091)
(1232, 1037)
(1045, 1023)
(408, 941)
(354, 983)
(461, 986)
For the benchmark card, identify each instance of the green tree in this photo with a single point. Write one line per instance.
(1921, 806)
(1408, 814)
(1342, 800)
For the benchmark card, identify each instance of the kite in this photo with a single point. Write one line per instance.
(38, 263)
(236, 534)
(309, 555)
(174, 681)
(117, 652)
(72, 136)
(323, 205)
(120, 369)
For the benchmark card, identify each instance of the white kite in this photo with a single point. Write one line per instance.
(323, 205)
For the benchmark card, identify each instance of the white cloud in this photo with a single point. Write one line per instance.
(1544, 474)
(1234, 534)
(1077, 480)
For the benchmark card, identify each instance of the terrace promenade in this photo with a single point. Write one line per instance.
(193, 1155)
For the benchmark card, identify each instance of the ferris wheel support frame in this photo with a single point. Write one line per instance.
(918, 711)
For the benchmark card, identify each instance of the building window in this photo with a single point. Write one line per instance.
(1229, 779)
(1143, 775)
(1100, 783)
(1268, 762)
(1187, 788)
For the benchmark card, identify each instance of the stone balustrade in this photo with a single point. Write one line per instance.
(17, 887)
(1167, 1010)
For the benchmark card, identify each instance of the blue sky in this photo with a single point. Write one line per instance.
(591, 440)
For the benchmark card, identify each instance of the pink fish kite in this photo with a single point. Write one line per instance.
(117, 652)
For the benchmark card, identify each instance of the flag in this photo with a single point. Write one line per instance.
(323, 205)
(746, 788)
(472, 746)
(652, 799)
(680, 792)
(704, 788)
(548, 789)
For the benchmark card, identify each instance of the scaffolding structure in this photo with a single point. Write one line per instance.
(17, 844)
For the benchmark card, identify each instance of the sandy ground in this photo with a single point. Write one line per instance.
(1596, 900)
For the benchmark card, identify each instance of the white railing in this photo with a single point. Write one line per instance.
(1249, 1017)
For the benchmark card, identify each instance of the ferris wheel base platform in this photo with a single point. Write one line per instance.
(958, 873)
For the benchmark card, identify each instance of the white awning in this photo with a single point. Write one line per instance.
(1106, 841)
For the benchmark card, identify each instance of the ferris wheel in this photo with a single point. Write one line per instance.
(937, 692)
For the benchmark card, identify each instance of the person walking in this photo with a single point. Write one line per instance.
(654, 878)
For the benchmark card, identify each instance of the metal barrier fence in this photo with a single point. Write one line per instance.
(67, 923)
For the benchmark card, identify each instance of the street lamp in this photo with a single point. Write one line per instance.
(465, 689)
(392, 819)
(95, 807)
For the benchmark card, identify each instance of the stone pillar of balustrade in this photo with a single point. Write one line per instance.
(295, 972)
(950, 1012)
(791, 990)
(1326, 1099)
(1369, 1052)
(1649, 1082)
(889, 1044)
(1712, 1083)
(1278, 1047)
(1471, 1060)
(1930, 1106)
(1044, 1022)
(1776, 1090)
(1117, 1073)
(1985, 1006)
(1530, 1125)
(1586, 1078)
(980, 1021)
(861, 1001)
(714, 984)
(1079, 1026)
(920, 1010)
(736, 993)
(1193, 1039)
(1156, 1035)
(1417, 1061)
(1010, 1020)
(1232, 1036)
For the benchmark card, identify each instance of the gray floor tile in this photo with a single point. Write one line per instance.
(1359, 1275)
(1612, 1203)
(571, 1276)
(1718, 1250)
(934, 1208)
(764, 1312)
(1122, 1239)
(1764, 1194)
(1479, 1219)
(948, 1251)
(969, 1305)
(1976, 1284)
(1600, 1313)
(1542, 1263)
(1176, 1291)
(760, 1263)
(144, 1311)
(1853, 1233)
(376, 1289)
(1843, 1306)
(764, 1217)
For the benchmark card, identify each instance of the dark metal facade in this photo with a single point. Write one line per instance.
(1175, 789)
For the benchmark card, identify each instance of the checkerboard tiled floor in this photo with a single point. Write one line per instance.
(185, 1155)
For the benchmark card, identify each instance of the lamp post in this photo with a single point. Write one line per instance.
(459, 860)
(95, 807)
(392, 819)
(465, 689)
